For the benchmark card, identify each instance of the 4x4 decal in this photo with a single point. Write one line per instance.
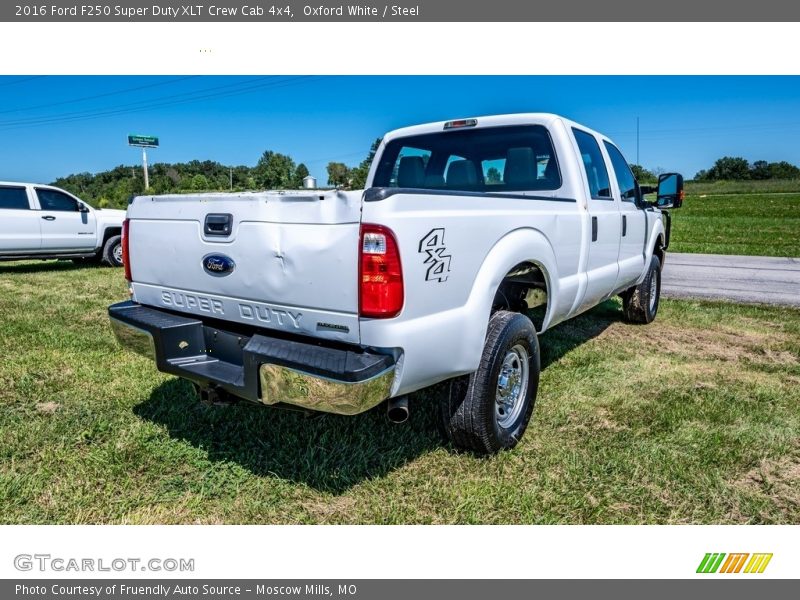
(439, 262)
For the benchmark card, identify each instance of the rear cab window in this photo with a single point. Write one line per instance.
(14, 198)
(491, 159)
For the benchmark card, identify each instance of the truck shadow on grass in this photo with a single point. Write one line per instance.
(329, 453)
(44, 266)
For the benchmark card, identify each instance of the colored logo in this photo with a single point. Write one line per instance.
(218, 265)
(741, 562)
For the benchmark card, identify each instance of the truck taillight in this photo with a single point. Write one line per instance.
(126, 255)
(380, 273)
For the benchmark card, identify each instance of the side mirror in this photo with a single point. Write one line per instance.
(670, 190)
(82, 208)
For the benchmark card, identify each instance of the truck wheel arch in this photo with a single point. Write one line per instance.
(515, 250)
(109, 232)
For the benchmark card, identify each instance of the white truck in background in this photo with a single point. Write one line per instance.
(472, 237)
(41, 221)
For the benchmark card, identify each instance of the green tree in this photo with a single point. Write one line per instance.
(643, 175)
(338, 174)
(493, 176)
(760, 170)
(730, 167)
(783, 170)
(299, 174)
(358, 175)
(199, 182)
(274, 171)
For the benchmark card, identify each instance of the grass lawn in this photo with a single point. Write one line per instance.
(693, 419)
(763, 224)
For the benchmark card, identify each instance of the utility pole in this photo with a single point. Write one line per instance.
(637, 141)
(230, 174)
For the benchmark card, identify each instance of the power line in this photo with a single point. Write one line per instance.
(117, 107)
(88, 115)
(23, 80)
(95, 96)
(720, 128)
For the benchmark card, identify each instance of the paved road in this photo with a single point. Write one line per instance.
(761, 279)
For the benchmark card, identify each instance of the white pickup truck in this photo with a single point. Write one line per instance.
(472, 236)
(42, 221)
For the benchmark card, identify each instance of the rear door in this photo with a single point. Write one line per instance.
(632, 220)
(605, 227)
(19, 224)
(65, 227)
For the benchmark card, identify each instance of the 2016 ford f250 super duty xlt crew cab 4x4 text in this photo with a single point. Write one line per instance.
(472, 237)
(42, 221)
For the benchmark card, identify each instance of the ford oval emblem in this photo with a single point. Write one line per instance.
(218, 265)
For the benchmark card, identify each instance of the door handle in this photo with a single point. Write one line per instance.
(624, 225)
(594, 229)
(49, 218)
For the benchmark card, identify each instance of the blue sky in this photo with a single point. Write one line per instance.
(57, 125)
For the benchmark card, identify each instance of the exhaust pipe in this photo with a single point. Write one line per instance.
(397, 409)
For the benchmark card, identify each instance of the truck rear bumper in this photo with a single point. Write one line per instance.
(261, 368)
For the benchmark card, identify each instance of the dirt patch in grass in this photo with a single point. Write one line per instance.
(727, 345)
(47, 408)
(778, 480)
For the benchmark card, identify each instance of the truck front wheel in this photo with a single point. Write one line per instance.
(112, 251)
(640, 303)
(489, 410)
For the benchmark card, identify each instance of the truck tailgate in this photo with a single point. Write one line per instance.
(278, 260)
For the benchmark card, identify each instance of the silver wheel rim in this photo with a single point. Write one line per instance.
(512, 386)
(653, 290)
(118, 253)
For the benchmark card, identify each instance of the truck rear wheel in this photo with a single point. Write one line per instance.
(489, 410)
(112, 251)
(640, 303)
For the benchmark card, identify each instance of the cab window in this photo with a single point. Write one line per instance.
(490, 159)
(593, 165)
(55, 200)
(625, 179)
(14, 198)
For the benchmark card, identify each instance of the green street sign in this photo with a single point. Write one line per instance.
(146, 141)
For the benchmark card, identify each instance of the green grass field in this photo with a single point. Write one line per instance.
(769, 186)
(759, 224)
(693, 419)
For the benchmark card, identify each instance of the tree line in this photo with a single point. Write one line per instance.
(730, 168)
(113, 188)
(739, 169)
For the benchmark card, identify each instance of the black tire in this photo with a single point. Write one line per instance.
(640, 303)
(472, 417)
(112, 251)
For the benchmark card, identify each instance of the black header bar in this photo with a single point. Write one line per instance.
(405, 11)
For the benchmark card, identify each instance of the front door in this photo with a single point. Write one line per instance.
(633, 221)
(65, 227)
